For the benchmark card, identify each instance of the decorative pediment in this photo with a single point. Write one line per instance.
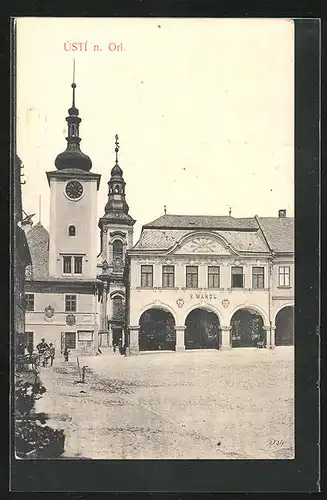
(203, 245)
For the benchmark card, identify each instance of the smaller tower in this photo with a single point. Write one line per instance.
(116, 238)
(116, 191)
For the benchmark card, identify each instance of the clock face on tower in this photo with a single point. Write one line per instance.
(74, 190)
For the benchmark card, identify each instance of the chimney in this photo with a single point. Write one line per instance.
(281, 213)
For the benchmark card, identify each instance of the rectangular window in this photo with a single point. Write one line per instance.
(213, 277)
(258, 277)
(237, 277)
(72, 264)
(284, 276)
(67, 265)
(70, 303)
(85, 335)
(191, 276)
(168, 276)
(146, 276)
(78, 265)
(29, 301)
(70, 340)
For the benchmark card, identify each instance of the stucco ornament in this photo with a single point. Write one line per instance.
(70, 320)
(180, 302)
(225, 303)
(49, 313)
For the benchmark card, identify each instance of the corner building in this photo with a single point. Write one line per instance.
(212, 282)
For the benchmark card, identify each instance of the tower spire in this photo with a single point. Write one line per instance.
(116, 193)
(73, 84)
(73, 156)
(117, 147)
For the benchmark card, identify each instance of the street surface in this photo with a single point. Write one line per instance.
(204, 404)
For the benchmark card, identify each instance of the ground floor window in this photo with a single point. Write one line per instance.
(69, 340)
(85, 335)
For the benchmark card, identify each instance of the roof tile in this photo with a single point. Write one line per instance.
(279, 232)
(38, 242)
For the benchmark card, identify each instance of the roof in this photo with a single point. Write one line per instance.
(202, 222)
(243, 234)
(164, 239)
(38, 242)
(279, 232)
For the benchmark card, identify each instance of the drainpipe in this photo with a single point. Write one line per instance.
(127, 281)
(270, 270)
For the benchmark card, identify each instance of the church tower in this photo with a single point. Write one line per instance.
(116, 226)
(67, 298)
(73, 208)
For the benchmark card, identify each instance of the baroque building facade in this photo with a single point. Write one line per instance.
(212, 282)
(189, 282)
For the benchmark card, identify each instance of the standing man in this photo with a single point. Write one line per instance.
(66, 353)
(52, 352)
(42, 347)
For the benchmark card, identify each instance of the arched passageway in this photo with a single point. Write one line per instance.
(202, 330)
(284, 333)
(157, 330)
(247, 328)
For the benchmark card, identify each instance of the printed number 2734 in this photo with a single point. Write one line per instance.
(276, 442)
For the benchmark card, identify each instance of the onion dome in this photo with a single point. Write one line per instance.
(73, 157)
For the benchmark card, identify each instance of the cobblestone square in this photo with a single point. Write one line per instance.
(203, 404)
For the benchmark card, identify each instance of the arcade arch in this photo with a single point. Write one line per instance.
(157, 330)
(284, 321)
(247, 327)
(202, 329)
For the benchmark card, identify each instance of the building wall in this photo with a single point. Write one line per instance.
(181, 300)
(87, 318)
(83, 215)
(19, 310)
(282, 296)
(107, 239)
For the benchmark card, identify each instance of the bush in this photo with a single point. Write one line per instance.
(30, 431)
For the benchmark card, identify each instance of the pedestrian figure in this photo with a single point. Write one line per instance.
(52, 353)
(114, 346)
(42, 347)
(66, 353)
(47, 356)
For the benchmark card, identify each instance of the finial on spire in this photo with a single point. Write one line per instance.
(116, 148)
(230, 211)
(165, 209)
(73, 84)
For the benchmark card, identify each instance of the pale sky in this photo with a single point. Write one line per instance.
(203, 108)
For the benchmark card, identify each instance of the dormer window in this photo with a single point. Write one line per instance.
(72, 231)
